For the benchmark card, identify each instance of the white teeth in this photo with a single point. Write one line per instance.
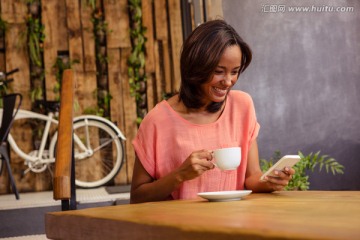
(220, 90)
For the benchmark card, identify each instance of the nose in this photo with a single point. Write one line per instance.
(227, 80)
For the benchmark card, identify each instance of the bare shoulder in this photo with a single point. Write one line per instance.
(240, 96)
(175, 103)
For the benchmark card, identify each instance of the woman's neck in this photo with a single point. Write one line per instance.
(196, 116)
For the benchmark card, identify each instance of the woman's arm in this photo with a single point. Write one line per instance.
(144, 188)
(253, 174)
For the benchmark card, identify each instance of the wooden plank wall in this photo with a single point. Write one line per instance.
(69, 29)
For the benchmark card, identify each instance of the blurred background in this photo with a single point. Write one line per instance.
(304, 77)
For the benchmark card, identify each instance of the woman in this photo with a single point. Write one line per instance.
(175, 140)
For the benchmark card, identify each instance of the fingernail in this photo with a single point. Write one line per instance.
(287, 169)
(276, 172)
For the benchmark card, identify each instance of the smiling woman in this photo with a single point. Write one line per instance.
(224, 77)
(200, 59)
(175, 141)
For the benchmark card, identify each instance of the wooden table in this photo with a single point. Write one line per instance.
(280, 215)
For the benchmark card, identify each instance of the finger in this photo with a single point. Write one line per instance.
(278, 181)
(200, 170)
(206, 164)
(282, 175)
(204, 154)
(289, 171)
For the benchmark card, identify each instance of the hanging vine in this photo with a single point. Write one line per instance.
(35, 39)
(136, 61)
(62, 63)
(3, 26)
(100, 30)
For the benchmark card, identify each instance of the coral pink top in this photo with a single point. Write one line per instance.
(165, 140)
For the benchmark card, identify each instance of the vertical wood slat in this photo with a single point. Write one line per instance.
(117, 103)
(86, 81)
(147, 20)
(158, 74)
(160, 20)
(161, 27)
(150, 91)
(75, 34)
(62, 30)
(17, 57)
(85, 91)
(49, 10)
(129, 112)
(88, 39)
(117, 18)
(176, 41)
(167, 66)
(13, 11)
(62, 176)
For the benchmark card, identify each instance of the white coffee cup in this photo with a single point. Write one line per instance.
(227, 158)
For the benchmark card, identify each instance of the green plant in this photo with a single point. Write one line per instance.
(100, 30)
(103, 101)
(62, 63)
(300, 180)
(3, 25)
(91, 3)
(36, 36)
(136, 60)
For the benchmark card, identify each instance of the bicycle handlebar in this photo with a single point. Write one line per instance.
(12, 72)
(3, 79)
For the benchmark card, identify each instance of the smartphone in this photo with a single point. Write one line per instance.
(285, 161)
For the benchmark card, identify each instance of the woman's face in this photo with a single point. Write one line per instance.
(224, 77)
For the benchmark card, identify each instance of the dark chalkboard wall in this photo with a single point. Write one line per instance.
(304, 79)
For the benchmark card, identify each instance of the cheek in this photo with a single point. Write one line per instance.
(234, 80)
(215, 79)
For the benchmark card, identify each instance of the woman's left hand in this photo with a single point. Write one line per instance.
(281, 180)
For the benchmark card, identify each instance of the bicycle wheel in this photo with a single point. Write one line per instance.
(99, 153)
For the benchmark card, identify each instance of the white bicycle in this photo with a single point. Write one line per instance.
(98, 146)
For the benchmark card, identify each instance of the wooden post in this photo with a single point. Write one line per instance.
(62, 183)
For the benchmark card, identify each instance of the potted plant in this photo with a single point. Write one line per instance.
(300, 180)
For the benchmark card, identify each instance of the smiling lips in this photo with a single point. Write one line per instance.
(220, 92)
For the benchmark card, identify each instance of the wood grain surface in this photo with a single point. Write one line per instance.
(62, 184)
(279, 215)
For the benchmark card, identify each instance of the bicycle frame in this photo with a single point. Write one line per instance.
(24, 114)
(49, 120)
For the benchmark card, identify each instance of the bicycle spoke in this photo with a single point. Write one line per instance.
(87, 134)
(98, 153)
(103, 145)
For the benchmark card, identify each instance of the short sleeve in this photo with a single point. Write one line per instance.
(144, 146)
(254, 125)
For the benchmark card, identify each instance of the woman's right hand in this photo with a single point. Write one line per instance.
(195, 165)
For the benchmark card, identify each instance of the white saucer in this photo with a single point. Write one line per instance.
(223, 196)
